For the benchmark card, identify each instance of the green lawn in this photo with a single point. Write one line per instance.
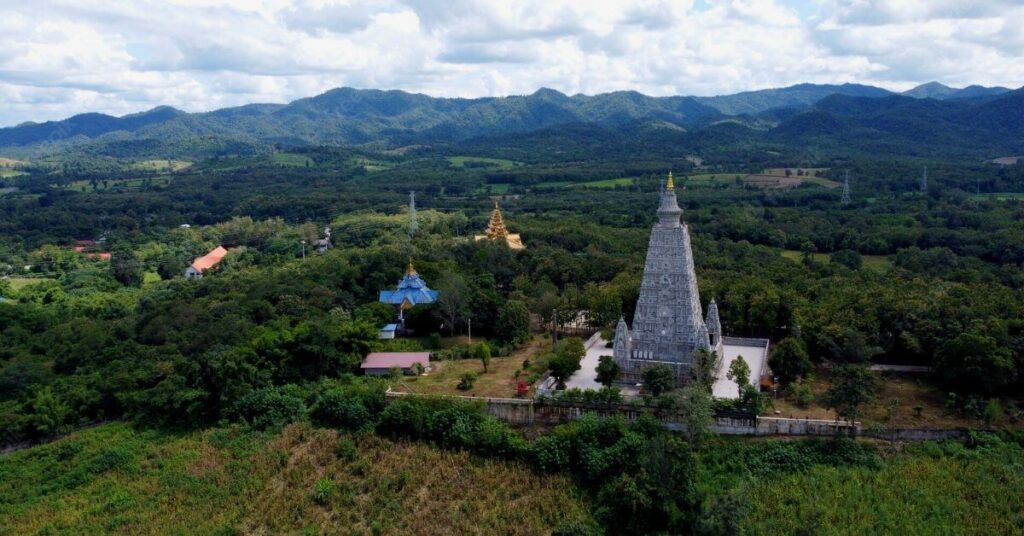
(500, 163)
(7, 173)
(609, 183)
(292, 159)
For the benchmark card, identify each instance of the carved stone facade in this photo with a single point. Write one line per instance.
(668, 326)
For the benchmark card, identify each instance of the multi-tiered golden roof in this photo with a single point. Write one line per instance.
(496, 230)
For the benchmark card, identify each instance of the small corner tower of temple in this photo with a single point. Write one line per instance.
(668, 326)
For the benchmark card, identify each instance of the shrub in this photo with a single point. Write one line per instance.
(800, 394)
(323, 490)
(466, 381)
(272, 407)
(337, 408)
(345, 449)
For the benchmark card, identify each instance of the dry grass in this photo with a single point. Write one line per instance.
(228, 481)
(499, 382)
(403, 488)
(909, 391)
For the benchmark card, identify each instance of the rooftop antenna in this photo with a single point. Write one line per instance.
(845, 200)
(924, 181)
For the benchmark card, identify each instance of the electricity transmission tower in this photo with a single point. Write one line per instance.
(414, 222)
(845, 200)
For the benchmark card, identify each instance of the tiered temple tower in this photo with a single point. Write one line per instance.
(496, 231)
(668, 326)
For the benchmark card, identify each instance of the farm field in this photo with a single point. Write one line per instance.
(476, 161)
(291, 159)
(162, 165)
(114, 479)
(127, 184)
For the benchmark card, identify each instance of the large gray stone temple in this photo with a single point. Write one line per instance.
(668, 326)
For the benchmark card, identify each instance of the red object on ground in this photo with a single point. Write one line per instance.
(522, 388)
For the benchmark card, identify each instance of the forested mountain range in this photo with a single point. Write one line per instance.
(974, 120)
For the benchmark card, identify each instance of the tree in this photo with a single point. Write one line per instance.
(852, 387)
(607, 370)
(566, 359)
(789, 360)
(483, 353)
(452, 299)
(658, 379)
(739, 372)
(513, 322)
(974, 363)
(703, 368)
(698, 409)
(169, 267)
(126, 267)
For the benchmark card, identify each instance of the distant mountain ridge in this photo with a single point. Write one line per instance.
(347, 116)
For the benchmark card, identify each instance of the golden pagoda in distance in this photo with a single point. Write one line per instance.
(496, 231)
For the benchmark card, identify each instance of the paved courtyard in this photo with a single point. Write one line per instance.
(586, 376)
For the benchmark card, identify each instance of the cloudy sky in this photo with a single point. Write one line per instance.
(58, 58)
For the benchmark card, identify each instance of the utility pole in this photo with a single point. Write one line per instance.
(554, 326)
(303, 249)
(924, 181)
(469, 322)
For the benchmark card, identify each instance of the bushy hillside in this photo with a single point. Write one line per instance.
(989, 119)
(113, 479)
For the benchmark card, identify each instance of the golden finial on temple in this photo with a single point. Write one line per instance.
(410, 270)
(670, 185)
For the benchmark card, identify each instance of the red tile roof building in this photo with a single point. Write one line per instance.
(204, 263)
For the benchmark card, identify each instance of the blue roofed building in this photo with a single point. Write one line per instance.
(412, 291)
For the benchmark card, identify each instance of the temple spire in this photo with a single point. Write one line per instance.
(410, 269)
(496, 226)
(670, 184)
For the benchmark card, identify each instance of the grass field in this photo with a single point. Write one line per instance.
(10, 162)
(7, 173)
(499, 381)
(113, 479)
(608, 183)
(18, 283)
(998, 196)
(910, 391)
(929, 488)
(162, 165)
(126, 184)
(880, 263)
(500, 188)
(294, 160)
(476, 161)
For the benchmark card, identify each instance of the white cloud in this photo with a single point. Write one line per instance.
(60, 57)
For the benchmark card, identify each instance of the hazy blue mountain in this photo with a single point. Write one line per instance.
(800, 95)
(935, 90)
(347, 116)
